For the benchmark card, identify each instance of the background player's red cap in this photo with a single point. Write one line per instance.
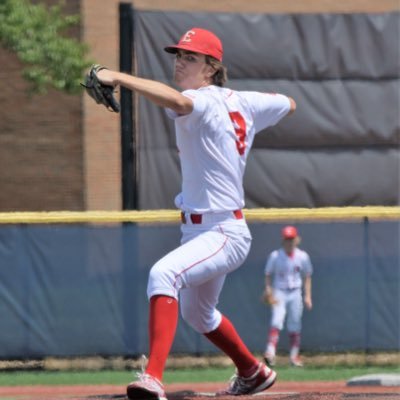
(200, 41)
(289, 232)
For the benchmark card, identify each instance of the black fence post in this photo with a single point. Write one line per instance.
(367, 345)
(130, 300)
(128, 142)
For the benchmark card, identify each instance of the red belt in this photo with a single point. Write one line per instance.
(198, 218)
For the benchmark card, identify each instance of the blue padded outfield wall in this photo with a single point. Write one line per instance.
(69, 290)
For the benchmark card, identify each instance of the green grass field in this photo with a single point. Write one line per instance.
(23, 378)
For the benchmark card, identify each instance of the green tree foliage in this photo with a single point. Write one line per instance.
(37, 34)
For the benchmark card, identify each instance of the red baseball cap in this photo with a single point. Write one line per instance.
(200, 41)
(289, 232)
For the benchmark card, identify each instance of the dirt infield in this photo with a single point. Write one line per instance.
(203, 391)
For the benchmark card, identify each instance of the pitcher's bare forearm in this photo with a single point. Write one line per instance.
(157, 92)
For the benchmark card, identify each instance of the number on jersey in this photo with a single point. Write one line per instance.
(239, 124)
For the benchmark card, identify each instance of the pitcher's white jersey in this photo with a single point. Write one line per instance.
(214, 141)
(288, 271)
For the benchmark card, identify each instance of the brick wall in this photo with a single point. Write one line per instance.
(272, 6)
(40, 145)
(60, 152)
(101, 128)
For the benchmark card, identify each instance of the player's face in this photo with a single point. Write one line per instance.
(191, 70)
(289, 244)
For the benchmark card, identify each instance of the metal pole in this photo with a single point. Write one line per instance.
(129, 186)
(128, 143)
(367, 286)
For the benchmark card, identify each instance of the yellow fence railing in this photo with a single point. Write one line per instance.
(163, 216)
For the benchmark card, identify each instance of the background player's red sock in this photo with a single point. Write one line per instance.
(228, 340)
(294, 344)
(273, 339)
(162, 326)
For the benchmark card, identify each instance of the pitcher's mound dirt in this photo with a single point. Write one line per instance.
(206, 391)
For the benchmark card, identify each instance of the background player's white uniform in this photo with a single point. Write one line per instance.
(287, 273)
(213, 142)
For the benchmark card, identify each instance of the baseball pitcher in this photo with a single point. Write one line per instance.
(215, 129)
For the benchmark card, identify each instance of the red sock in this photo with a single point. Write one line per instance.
(273, 336)
(294, 339)
(162, 326)
(227, 339)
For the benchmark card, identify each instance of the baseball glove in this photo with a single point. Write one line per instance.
(268, 298)
(101, 93)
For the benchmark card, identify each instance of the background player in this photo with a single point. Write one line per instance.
(285, 271)
(215, 128)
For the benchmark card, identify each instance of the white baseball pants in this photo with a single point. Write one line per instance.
(290, 303)
(195, 271)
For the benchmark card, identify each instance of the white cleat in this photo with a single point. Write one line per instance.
(296, 362)
(146, 388)
(261, 380)
(269, 360)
